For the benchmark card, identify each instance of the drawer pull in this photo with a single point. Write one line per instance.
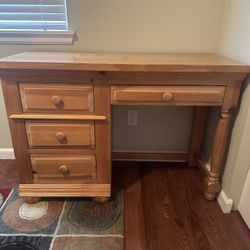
(64, 170)
(56, 100)
(61, 137)
(167, 97)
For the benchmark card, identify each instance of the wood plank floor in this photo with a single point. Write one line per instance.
(165, 208)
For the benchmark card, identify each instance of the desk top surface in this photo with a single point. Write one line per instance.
(133, 62)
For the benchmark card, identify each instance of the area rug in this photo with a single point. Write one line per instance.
(4, 193)
(71, 224)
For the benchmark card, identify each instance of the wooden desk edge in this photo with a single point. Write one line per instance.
(64, 190)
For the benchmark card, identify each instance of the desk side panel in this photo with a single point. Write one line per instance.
(17, 128)
(103, 131)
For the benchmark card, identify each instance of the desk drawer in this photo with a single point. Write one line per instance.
(168, 95)
(57, 98)
(58, 168)
(55, 134)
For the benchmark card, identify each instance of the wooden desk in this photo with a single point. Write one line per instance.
(59, 112)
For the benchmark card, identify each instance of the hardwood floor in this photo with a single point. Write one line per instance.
(165, 208)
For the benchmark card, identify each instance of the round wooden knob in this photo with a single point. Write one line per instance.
(167, 97)
(56, 100)
(60, 136)
(64, 170)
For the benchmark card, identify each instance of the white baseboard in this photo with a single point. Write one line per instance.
(225, 203)
(7, 153)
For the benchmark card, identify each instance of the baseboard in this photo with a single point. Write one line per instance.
(7, 154)
(150, 156)
(225, 203)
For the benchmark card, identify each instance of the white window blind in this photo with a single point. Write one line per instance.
(33, 15)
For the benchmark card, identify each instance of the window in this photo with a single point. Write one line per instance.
(34, 21)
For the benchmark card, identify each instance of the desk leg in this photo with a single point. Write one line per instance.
(197, 135)
(211, 183)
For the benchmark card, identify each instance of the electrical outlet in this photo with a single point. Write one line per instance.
(132, 118)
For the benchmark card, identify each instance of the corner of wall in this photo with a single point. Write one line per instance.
(238, 160)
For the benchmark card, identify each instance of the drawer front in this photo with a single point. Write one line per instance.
(168, 95)
(62, 168)
(60, 134)
(57, 98)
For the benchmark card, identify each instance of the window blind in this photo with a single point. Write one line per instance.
(33, 15)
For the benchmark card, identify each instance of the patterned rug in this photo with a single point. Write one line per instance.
(71, 224)
(4, 193)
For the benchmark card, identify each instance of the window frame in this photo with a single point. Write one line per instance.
(57, 37)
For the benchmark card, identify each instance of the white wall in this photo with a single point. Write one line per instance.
(141, 26)
(235, 43)
(235, 36)
(159, 129)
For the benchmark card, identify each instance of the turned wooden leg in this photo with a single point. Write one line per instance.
(211, 183)
(31, 200)
(198, 128)
(100, 199)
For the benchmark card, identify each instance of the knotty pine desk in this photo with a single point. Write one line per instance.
(59, 112)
